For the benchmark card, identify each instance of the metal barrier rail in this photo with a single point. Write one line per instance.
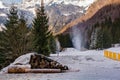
(112, 55)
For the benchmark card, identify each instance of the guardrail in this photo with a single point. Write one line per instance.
(112, 55)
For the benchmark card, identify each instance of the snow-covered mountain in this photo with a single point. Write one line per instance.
(59, 3)
(60, 12)
(80, 3)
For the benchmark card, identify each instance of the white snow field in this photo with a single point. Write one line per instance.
(84, 65)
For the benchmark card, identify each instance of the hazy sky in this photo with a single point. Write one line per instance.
(11, 1)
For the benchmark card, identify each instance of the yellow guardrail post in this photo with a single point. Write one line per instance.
(118, 57)
(110, 55)
(114, 56)
(106, 53)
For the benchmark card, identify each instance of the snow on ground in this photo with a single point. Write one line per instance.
(84, 65)
(1, 5)
(23, 61)
(80, 3)
(116, 50)
(2, 27)
(83, 3)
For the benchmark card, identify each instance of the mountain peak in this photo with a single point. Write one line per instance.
(83, 3)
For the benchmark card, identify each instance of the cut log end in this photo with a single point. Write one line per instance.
(43, 71)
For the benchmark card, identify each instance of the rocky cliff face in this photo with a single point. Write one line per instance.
(60, 12)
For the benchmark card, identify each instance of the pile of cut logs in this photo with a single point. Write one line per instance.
(39, 64)
(39, 61)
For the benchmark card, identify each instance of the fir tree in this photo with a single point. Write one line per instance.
(52, 43)
(103, 39)
(10, 34)
(15, 38)
(8, 42)
(2, 56)
(24, 34)
(99, 39)
(41, 33)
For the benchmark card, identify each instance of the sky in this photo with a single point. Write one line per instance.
(12, 1)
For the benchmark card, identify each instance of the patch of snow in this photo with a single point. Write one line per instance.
(70, 50)
(81, 11)
(87, 8)
(83, 65)
(2, 14)
(66, 14)
(32, 10)
(22, 61)
(114, 49)
(116, 45)
(75, 52)
(2, 27)
(83, 3)
(1, 5)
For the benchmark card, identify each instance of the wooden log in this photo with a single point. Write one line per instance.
(39, 61)
(18, 68)
(43, 71)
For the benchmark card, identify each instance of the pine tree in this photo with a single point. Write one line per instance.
(15, 38)
(52, 43)
(17, 34)
(103, 38)
(8, 41)
(24, 34)
(93, 39)
(11, 34)
(2, 56)
(41, 33)
(99, 41)
(115, 31)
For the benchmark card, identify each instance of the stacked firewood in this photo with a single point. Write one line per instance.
(39, 64)
(38, 61)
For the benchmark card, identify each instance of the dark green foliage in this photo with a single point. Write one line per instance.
(2, 60)
(103, 39)
(42, 36)
(24, 37)
(52, 43)
(10, 35)
(65, 41)
(8, 40)
(2, 56)
(115, 31)
(108, 33)
(14, 40)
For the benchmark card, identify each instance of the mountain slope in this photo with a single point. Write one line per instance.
(60, 12)
(92, 10)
